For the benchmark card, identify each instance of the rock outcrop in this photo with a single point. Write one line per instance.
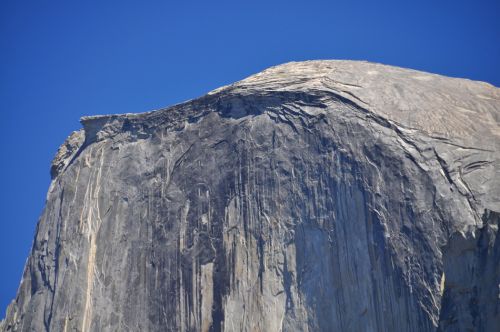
(313, 196)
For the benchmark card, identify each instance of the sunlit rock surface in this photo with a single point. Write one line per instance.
(313, 196)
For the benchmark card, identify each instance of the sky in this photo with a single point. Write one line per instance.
(60, 60)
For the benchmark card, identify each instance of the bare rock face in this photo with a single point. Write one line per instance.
(314, 196)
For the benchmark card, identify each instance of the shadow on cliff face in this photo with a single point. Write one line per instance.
(471, 298)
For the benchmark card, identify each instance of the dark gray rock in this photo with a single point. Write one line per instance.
(314, 196)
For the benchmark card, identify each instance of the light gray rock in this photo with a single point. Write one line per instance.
(313, 196)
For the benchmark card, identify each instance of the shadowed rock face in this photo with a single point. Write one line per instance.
(314, 196)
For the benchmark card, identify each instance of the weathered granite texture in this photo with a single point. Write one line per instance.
(314, 196)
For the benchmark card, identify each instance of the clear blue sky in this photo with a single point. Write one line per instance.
(60, 60)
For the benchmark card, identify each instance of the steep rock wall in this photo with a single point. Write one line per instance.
(328, 195)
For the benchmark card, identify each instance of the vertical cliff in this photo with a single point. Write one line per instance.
(314, 196)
